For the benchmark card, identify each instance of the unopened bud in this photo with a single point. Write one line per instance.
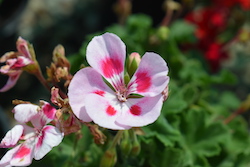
(165, 93)
(109, 158)
(136, 148)
(125, 144)
(25, 48)
(134, 60)
(163, 33)
(171, 5)
(59, 57)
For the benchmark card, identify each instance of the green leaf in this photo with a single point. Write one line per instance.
(201, 138)
(229, 100)
(163, 131)
(239, 140)
(169, 157)
(182, 31)
(225, 77)
(175, 102)
(190, 93)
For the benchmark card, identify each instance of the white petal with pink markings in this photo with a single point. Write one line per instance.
(12, 136)
(104, 111)
(5, 161)
(150, 78)
(23, 156)
(140, 112)
(93, 83)
(106, 54)
(25, 112)
(49, 137)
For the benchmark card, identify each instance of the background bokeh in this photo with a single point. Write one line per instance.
(205, 43)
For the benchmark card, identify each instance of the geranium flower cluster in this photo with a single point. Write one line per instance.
(211, 22)
(107, 94)
(33, 138)
(106, 98)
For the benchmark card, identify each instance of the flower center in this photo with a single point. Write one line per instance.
(121, 94)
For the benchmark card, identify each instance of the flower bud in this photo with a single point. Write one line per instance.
(26, 51)
(126, 144)
(109, 158)
(133, 62)
(163, 33)
(165, 94)
(59, 57)
(136, 148)
(24, 48)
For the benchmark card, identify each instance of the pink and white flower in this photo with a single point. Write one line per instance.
(116, 105)
(15, 61)
(33, 138)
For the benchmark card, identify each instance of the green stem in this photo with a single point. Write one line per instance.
(117, 138)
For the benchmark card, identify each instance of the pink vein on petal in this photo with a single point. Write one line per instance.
(111, 67)
(143, 81)
(99, 92)
(41, 136)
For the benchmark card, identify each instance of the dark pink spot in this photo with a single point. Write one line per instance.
(143, 81)
(110, 111)
(22, 152)
(49, 111)
(111, 67)
(99, 92)
(135, 110)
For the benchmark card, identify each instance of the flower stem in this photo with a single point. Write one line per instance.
(233, 115)
(40, 77)
(117, 138)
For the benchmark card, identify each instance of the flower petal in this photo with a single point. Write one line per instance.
(5, 161)
(25, 112)
(12, 136)
(11, 81)
(44, 115)
(22, 47)
(49, 138)
(8, 55)
(24, 155)
(93, 83)
(106, 54)
(150, 79)
(105, 112)
(141, 111)
(20, 62)
(28, 132)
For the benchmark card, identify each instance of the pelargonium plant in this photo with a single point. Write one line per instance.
(104, 95)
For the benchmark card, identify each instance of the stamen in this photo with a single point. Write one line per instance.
(122, 94)
(121, 97)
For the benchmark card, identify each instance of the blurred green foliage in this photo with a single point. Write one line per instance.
(191, 131)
